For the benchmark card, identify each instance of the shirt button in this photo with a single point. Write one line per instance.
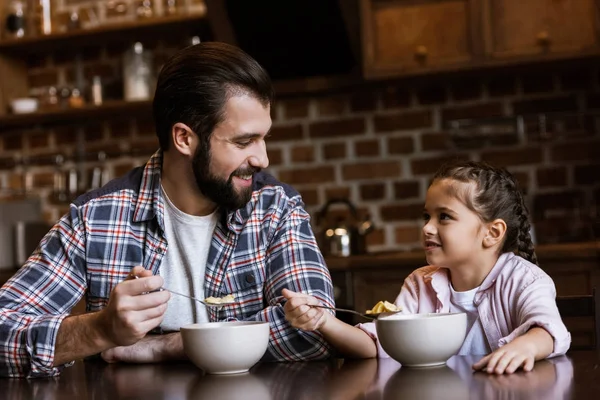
(160, 250)
(250, 278)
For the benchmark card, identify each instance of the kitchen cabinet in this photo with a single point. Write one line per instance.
(516, 28)
(412, 36)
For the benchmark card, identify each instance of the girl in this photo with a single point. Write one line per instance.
(481, 262)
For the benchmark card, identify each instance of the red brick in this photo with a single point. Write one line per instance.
(374, 170)
(334, 151)
(404, 121)
(407, 234)
(366, 148)
(297, 176)
(285, 132)
(431, 94)
(401, 145)
(481, 110)
(303, 153)
(7, 163)
(464, 89)
(523, 180)
(502, 85)
(435, 141)
(338, 192)
(547, 104)
(332, 105)
(295, 108)
(310, 197)
(395, 96)
(426, 166)
(372, 191)
(587, 174)
(343, 127)
(275, 156)
(405, 212)
(566, 201)
(586, 150)
(375, 238)
(537, 81)
(505, 158)
(364, 100)
(407, 189)
(551, 176)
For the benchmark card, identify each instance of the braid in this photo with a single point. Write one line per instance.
(524, 243)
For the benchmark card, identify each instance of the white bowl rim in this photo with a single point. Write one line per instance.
(221, 324)
(404, 317)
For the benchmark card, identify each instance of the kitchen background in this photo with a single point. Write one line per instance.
(375, 142)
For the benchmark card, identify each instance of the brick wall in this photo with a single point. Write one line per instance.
(376, 145)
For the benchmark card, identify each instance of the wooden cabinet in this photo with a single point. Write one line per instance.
(401, 36)
(534, 27)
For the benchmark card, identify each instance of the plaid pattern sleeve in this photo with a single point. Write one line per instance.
(38, 297)
(272, 248)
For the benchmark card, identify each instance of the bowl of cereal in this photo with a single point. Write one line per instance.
(230, 347)
(422, 340)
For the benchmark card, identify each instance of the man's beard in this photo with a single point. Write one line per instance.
(220, 191)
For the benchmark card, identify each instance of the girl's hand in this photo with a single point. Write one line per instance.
(536, 344)
(299, 312)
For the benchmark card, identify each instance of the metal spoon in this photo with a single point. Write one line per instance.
(190, 297)
(364, 315)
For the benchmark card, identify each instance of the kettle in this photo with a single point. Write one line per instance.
(345, 237)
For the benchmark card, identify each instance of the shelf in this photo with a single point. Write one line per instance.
(110, 109)
(104, 33)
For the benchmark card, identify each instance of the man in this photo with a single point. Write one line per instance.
(201, 217)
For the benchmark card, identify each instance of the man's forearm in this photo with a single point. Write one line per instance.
(79, 336)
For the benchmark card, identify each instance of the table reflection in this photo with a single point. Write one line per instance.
(371, 379)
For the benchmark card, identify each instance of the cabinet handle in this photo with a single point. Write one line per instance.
(543, 38)
(421, 53)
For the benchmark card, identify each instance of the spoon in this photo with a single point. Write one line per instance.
(364, 315)
(207, 304)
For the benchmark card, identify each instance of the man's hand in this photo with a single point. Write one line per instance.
(134, 308)
(536, 344)
(299, 312)
(151, 349)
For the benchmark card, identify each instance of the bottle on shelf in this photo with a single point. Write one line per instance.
(14, 24)
(138, 73)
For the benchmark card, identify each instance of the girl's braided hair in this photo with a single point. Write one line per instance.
(493, 193)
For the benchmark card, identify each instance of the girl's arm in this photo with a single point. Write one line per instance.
(347, 339)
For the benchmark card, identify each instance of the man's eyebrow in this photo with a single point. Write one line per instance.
(250, 135)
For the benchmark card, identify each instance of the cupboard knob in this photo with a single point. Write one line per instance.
(543, 38)
(421, 52)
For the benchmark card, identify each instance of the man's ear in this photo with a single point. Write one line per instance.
(495, 233)
(184, 139)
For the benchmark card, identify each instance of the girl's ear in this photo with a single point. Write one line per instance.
(184, 139)
(495, 233)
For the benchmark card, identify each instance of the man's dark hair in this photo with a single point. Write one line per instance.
(194, 85)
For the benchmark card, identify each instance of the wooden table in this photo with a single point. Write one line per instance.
(576, 376)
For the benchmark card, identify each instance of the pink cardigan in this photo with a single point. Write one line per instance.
(515, 296)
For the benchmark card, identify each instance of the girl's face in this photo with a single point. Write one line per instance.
(452, 233)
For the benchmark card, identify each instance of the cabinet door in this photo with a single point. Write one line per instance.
(372, 286)
(403, 36)
(533, 27)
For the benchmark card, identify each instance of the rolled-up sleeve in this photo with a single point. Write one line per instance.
(536, 306)
(34, 302)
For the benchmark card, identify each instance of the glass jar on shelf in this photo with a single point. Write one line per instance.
(138, 73)
(14, 21)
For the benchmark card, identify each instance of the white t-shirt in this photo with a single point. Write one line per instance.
(475, 341)
(184, 264)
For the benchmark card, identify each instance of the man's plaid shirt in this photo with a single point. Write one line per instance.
(255, 252)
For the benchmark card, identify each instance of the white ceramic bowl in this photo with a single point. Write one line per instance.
(422, 340)
(225, 347)
(24, 105)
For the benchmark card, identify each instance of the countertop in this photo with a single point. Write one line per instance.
(416, 259)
